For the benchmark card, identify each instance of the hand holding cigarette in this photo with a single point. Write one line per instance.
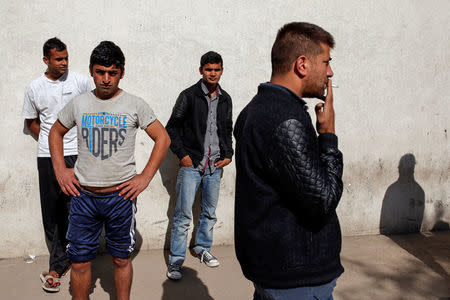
(325, 112)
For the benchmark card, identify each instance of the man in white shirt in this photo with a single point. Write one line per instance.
(44, 98)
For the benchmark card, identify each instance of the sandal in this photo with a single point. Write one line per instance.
(49, 283)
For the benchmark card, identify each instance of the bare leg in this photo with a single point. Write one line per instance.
(123, 275)
(80, 280)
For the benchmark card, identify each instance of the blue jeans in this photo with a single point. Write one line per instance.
(188, 181)
(320, 292)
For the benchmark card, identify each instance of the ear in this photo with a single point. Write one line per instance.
(302, 65)
(123, 73)
(45, 59)
(200, 69)
(90, 71)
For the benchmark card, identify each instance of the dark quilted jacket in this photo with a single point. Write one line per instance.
(288, 185)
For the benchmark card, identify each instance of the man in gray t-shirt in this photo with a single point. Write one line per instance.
(104, 176)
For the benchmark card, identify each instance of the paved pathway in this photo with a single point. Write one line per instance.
(376, 267)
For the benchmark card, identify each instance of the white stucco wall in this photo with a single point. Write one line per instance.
(391, 63)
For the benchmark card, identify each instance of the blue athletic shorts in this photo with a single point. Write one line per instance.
(88, 213)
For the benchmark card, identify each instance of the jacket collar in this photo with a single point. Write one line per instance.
(200, 93)
(269, 85)
(206, 91)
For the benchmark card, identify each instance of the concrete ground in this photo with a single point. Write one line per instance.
(376, 267)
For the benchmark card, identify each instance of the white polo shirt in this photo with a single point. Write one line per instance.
(44, 98)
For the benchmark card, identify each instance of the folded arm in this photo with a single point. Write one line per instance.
(34, 126)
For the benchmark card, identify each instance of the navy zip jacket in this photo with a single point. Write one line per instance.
(187, 124)
(288, 185)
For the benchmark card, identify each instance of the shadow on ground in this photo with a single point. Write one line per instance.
(430, 250)
(103, 270)
(188, 288)
(389, 268)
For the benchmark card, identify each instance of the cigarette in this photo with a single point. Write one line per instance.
(334, 85)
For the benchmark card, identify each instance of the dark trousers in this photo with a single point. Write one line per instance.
(55, 212)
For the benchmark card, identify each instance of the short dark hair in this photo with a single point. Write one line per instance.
(211, 57)
(296, 39)
(53, 43)
(107, 54)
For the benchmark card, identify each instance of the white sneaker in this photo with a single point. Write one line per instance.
(208, 259)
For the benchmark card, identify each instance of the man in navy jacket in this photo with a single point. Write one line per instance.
(288, 179)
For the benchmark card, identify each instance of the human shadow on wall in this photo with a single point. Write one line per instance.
(404, 201)
(169, 172)
(402, 213)
(189, 288)
(102, 268)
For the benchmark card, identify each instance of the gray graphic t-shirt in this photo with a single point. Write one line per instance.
(106, 136)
